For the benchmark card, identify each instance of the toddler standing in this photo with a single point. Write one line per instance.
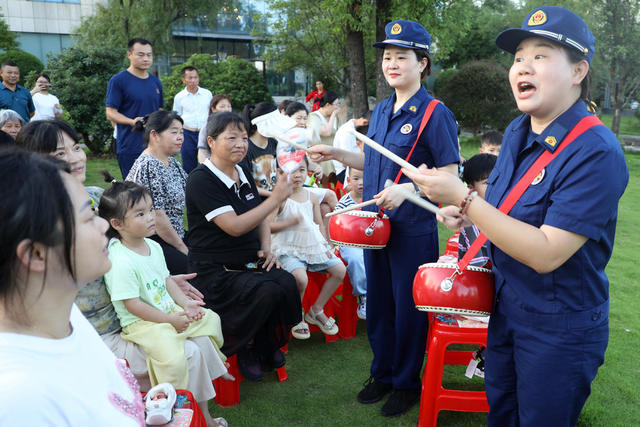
(354, 257)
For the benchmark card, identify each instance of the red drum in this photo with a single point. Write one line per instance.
(438, 287)
(360, 229)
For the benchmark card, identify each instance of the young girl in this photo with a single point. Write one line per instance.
(326, 197)
(549, 326)
(153, 312)
(300, 245)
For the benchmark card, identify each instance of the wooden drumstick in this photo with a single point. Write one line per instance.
(414, 198)
(351, 208)
(380, 149)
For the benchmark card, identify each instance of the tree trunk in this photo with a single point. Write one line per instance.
(382, 15)
(615, 123)
(357, 77)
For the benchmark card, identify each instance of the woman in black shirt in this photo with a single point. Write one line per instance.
(229, 247)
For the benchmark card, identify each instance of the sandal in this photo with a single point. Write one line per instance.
(301, 331)
(220, 422)
(327, 328)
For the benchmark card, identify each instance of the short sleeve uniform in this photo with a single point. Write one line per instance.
(548, 330)
(166, 184)
(133, 97)
(578, 192)
(136, 276)
(437, 147)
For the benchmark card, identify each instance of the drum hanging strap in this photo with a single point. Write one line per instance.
(425, 119)
(521, 186)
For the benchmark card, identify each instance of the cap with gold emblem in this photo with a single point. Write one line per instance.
(553, 23)
(406, 34)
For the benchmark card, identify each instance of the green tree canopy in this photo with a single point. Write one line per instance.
(79, 78)
(479, 95)
(117, 21)
(8, 39)
(235, 77)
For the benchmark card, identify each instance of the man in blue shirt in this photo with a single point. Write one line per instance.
(131, 95)
(12, 95)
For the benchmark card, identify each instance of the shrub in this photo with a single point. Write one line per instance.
(235, 77)
(442, 79)
(26, 62)
(79, 79)
(480, 96)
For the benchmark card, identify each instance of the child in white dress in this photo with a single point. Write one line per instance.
(300, 245)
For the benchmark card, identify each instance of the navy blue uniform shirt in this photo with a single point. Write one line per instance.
(578, 192)
(19, 101)
(437, 147)
(133, 97)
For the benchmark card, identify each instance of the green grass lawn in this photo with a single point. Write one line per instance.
(325, 378)
(629, 125)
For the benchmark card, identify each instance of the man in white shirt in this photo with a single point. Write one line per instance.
(192, 104)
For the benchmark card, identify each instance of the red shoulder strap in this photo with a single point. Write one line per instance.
(521, 186)
(425, 119)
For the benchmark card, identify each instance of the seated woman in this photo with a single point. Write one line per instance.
(165, 179)
(55, 370)
(58, 139)
(229, 248)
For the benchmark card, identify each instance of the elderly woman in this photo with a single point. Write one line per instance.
(11, 122)
(230, 249)
(165, 178)
(58, 139)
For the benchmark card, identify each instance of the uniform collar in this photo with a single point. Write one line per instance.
(553, 134)
(223, 177)
(413, 104)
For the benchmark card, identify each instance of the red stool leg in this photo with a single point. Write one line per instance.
(347, 311)
(434, 396)
(431, 382)
(228, 392)
(311, 294)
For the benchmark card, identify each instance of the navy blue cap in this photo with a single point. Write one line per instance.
(406, 34)
(553, 23)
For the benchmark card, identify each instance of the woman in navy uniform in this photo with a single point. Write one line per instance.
(397, 331)
(549, 328)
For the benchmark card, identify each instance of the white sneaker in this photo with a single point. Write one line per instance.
(160, 411)
(362, 307)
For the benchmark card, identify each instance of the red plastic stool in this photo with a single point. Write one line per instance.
(347, 307)
(331, 308)
(228, 392)
(435, 397)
